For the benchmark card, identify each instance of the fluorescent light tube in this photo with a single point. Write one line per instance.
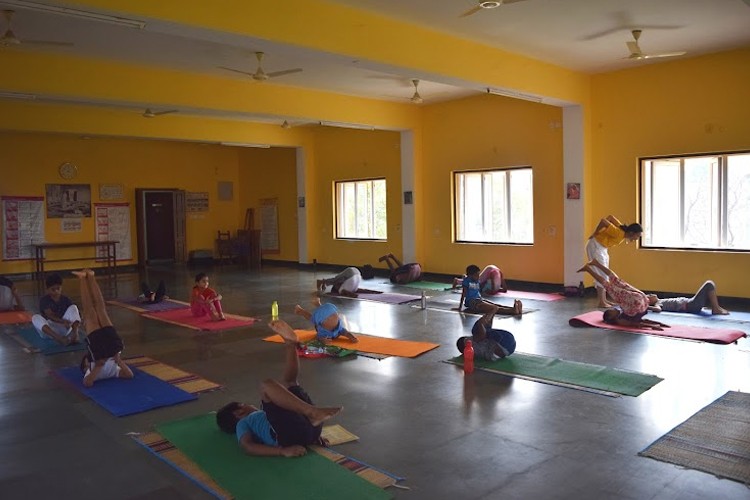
(515, 95)
(357, 126)
(245, 145)
(81, 14)
(16, 95)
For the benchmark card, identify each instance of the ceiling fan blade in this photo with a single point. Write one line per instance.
(47, 43)
(667, 54)
(236, 70)
(166, 112)
(274, 74)
(471, 11)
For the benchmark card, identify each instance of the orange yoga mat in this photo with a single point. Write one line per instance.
(369, 343)
(14, 317)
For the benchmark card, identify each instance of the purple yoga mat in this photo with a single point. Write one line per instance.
(388, 298)
(164, 305)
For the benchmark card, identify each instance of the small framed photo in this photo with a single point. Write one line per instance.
(573, 191)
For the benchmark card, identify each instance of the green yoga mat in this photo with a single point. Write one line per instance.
(218, 454)
(582, 376)
(425, 285)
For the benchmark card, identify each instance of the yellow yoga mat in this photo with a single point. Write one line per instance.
(369, 343)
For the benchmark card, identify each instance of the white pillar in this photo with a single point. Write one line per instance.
(408, 225)
(301, 211)
(573, 155)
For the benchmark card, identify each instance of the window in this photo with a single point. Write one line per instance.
(361, 210)
(696, 202)
(495, 206)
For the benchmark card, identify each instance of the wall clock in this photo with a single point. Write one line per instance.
(68, 170)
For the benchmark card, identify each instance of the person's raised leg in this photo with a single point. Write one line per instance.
(589, 267)
(97, 299)
(706, 296)
(90, 317)
(387, 259)
(161, 292)
(291, 341)
(395, 259)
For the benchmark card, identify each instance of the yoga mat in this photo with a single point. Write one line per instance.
(519, 294)
(140, 307)
(188, 382)
(385, 297)
(184, 317)
(14, 317)
(369, 343)
(359, 291)
(451, 305)
(122, 397)
(423, 285)
(714, 440)
(32, 342)
(218, 454)
(713, 335)
(732, 317)
(572, 374)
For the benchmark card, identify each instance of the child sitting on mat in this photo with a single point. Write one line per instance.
(401, 273)
(149, 296)
(345, 283)
(704, 297)
(103, 360)
(489, 343)
(60, 318)
(491, 281)
(9, 298)
(327, 321)
(632, 304)
(471, 297)
(288, 420)
(205, 300)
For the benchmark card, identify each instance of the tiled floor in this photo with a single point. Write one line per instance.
(451, 436)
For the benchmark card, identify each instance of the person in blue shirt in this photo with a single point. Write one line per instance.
(288, 420)
(471, 297)
(59, 318)
(326, 320)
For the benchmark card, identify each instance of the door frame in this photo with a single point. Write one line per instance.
(180, 236)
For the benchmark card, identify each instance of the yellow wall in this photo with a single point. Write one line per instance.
(680, 107)
(493, 132)
(345, 154)
(271, 173)
(29, 161)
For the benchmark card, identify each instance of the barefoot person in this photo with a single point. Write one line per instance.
(704, 297)
(59, 318)
(345, 283)
(328, 323)
(204, 300)
(471, 297)
(104, 344)
(287, 421)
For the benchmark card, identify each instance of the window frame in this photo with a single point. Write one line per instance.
(722, 181)
(336, 208)
(456, 208)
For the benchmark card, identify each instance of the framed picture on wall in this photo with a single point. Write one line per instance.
(68, 200)
(573, 191)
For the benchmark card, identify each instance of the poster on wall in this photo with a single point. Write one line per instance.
(70, 225)
(196, 202)
(113, 224)
(269, 225)
(23, 224)
(68, 200)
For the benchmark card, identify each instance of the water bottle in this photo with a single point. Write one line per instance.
(274, 311)
(424, 300)
(581, 289)
(468, 356)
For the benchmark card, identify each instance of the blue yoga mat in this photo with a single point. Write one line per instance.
(123, 397)
(47, 346)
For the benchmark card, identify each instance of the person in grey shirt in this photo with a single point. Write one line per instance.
(704, 297)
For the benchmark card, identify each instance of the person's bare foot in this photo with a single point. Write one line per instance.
(605, 305)
(89, 272)
(517, 307)
(284, 330)
(384, 257)
(320, 285)
(79, 274)
(316, 301)
(222, 317)
(319, 415)
(720, 310)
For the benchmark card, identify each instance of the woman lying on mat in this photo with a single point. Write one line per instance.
(104, 344)
(327, 321)
(345, 283)
(149, 296)
(288, 420)
(489, 343)
(471, 297)
(491, 281)
(402, 273)
(205, 300)
(632, 303)
(704, 297)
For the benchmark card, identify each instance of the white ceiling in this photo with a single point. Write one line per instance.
(583, 35)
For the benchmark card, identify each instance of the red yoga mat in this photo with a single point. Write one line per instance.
(184, 317)
(713, 335)
(14, 317)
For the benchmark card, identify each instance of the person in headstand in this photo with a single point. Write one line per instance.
(401, 273)
(103, 359)
(10, 300)
(704, 297)
(288, 420)
(489, 343)
(345, 283)
(326, 320)
(632, 304)
(471, 297)
(609, 232)
(149, 296)
(205, 300)
(491, 281)
(59, 318)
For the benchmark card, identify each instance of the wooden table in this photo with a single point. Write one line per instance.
(109, 246)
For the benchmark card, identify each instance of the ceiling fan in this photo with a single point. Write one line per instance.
(416, 98)
(149, 113)
(487, 5)
(9, 39)
(637, 54)
(261, 75)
